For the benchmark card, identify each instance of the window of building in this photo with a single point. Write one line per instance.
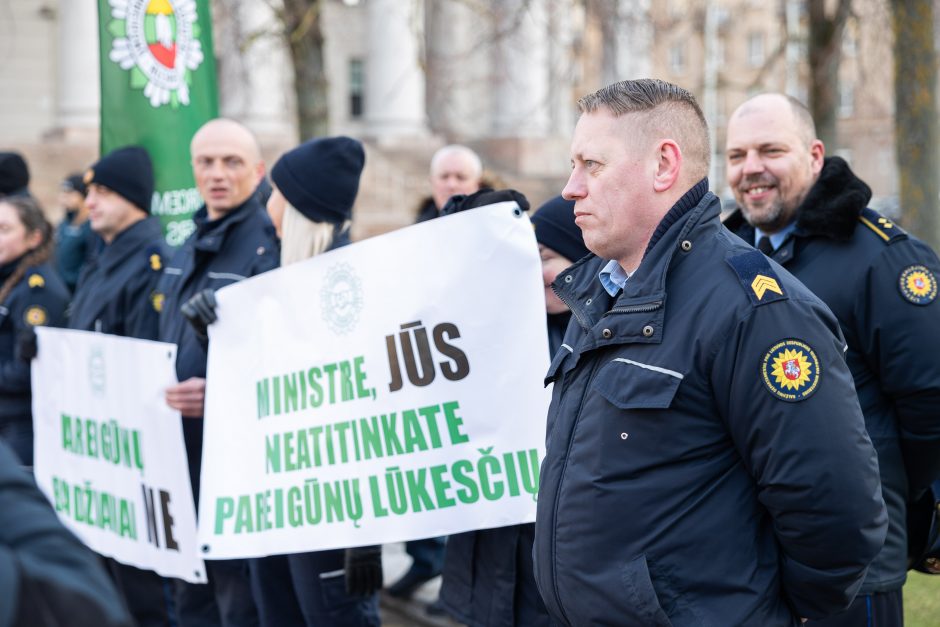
(846, 99)
(356, 88)
(677, 58)
(755, 49)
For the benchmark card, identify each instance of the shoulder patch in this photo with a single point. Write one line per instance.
(757, 277)
(36, 280)
(35, 316)
(918, 284)
(790, 370)
(886, 230)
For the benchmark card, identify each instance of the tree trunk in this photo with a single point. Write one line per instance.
(302, 28)
(825, 56)
(915, 121)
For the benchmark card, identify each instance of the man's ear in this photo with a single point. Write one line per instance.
(817, 153)
(668, 165)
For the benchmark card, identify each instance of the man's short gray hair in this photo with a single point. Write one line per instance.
(472, 158)
(671, 112)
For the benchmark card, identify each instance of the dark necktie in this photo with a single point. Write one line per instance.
(764, 245)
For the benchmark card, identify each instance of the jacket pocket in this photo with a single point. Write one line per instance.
(629, 384)
(641, 596)
(555, 370)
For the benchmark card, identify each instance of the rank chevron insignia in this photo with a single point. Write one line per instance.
(762, 284)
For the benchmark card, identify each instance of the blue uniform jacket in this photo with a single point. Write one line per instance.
(707, 462)
(240, 244)
(39, 298)
(116, 290)
(881, 284)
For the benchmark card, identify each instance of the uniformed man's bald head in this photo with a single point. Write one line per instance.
(227, 165)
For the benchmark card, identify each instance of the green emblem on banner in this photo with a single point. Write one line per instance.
(341, 299)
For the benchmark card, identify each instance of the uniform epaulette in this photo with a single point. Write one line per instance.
(886, 230)
(757, 277)
(155, 258)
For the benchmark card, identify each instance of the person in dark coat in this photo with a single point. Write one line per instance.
(31, 295)
(314, 189)
(488, 579)
(76, 243)
(115, 295)
(116, 290)
(706, 456)
(234, 239)
(47, 575)
(809, 213)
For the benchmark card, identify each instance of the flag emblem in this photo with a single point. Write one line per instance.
(157, 42)
(790, 370)
(918, 285)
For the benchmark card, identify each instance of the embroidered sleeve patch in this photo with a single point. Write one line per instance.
(757, 277)
(790, 370)
(918, 285)
(35, 316)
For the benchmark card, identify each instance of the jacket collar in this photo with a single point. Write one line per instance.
(831, 207)
(130, 241)
(210, 234)
(645, 292)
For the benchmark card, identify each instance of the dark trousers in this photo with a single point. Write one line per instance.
(309, 589)
(147, 596)
(881, 609)
(226, 601)
(427, 555)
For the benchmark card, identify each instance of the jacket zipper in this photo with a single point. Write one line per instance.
(648, 307)
(577, 315)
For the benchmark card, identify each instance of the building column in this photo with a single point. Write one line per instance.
(521, 100)
(78, 98)
(395, 84)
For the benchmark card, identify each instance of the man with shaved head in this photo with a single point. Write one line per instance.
(234, 239)
(690, 470)
(808, 213)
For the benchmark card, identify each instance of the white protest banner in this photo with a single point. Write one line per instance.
(385, 391)
(109, 452)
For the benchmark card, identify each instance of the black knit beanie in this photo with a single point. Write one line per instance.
(555, 228)
(128, 172)
(320, 178)
(14, 174)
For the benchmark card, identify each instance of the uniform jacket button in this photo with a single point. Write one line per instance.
(607, 334)
(648, 331)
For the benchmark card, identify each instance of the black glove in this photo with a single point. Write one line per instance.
(200, 311)
(485, 196)
(363, 570)
(26, 347)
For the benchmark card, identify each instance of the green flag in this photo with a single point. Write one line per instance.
(157, 88)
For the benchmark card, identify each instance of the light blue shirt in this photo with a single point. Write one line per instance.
(778, 238)
(612, 277)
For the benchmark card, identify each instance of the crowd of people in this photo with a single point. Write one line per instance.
(743, 428)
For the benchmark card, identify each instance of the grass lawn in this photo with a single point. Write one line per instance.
(922, 600)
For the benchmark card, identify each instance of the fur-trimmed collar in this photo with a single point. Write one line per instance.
(832, 206)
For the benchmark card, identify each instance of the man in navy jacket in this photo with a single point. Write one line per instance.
(706, 459)
(809, 213)
(234, 240)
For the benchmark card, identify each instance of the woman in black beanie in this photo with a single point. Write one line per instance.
(31, 295)
(314, 189)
